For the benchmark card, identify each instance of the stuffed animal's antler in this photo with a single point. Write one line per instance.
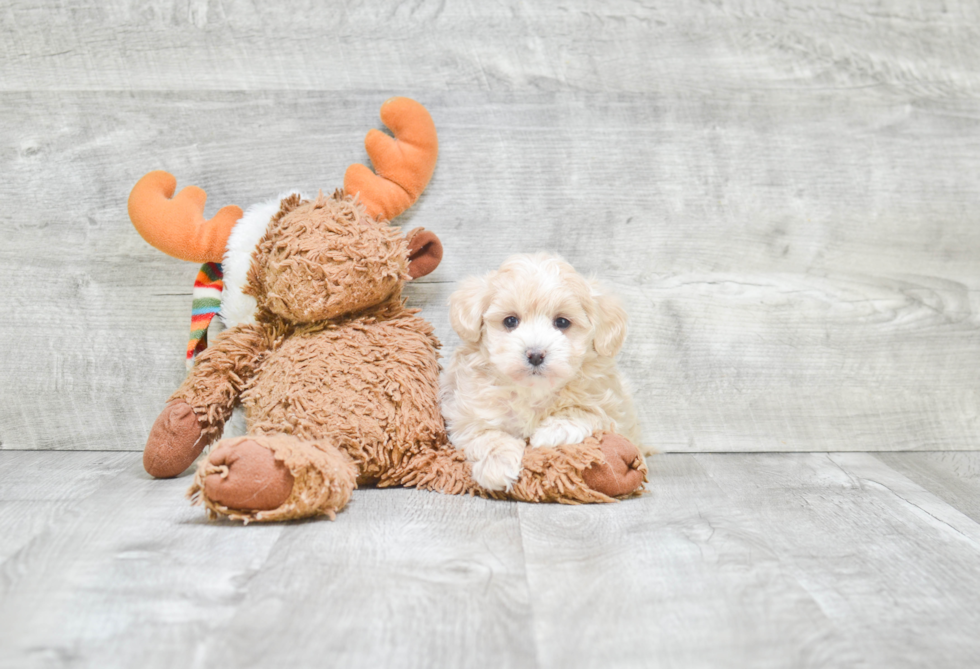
(177, 226)
(404, 164)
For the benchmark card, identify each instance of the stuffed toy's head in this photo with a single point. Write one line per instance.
(326, 257)
(304, 259)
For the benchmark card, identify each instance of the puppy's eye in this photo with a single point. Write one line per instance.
(511, 322)
(562, 323)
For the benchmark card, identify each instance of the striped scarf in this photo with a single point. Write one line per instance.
(207, 302)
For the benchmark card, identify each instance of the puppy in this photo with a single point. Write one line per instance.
(535, 365)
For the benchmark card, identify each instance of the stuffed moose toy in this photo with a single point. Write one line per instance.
(339, 380)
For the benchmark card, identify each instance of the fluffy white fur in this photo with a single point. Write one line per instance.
(236, 307)
(496, 401)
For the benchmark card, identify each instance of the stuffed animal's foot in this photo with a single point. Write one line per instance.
(601, 468)
(247, 476)
(623, 471)
(174, 442)
(276, 477)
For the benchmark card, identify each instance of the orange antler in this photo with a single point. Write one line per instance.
(177, 226)
(404, 164)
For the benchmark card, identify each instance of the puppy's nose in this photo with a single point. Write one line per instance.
(535, 358)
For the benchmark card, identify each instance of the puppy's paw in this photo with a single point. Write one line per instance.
(557, 431)
(499, 469)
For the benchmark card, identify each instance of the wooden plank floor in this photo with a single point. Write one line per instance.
(731, 560)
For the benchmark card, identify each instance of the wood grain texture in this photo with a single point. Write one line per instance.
(953, 477)
(784, 195)
(763, 560)
(133, 576)
(408, 579)
(43, 490)
(731, 560)
(580, 45)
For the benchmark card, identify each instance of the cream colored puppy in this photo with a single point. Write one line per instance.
(535, 367)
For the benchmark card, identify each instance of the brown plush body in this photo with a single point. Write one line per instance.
(339, 381)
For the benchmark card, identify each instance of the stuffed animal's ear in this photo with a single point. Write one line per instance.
(610, 324)
(424, 252)
(467, 306)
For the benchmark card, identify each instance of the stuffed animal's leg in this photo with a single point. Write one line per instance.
(443, 469)
(603, 467)
(273, 477)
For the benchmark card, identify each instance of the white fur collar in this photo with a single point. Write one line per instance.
(236, 307)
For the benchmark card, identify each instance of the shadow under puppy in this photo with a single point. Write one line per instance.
(536, 367)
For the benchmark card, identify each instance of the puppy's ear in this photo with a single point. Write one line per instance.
(467, 305)
(610, 323)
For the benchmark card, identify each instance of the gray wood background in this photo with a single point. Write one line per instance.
(786, 195)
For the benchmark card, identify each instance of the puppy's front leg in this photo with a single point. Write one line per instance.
(496, 457)
(568, 427)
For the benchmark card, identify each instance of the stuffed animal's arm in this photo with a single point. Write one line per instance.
(196, 413)
(219, 376)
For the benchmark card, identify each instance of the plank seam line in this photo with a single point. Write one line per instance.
(530, 594)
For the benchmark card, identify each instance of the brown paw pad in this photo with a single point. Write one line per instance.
(246, 476)
(174, 442)
(623, 471)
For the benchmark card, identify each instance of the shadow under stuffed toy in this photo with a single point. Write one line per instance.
(339, 380)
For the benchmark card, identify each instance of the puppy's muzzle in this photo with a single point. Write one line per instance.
(535, 358)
